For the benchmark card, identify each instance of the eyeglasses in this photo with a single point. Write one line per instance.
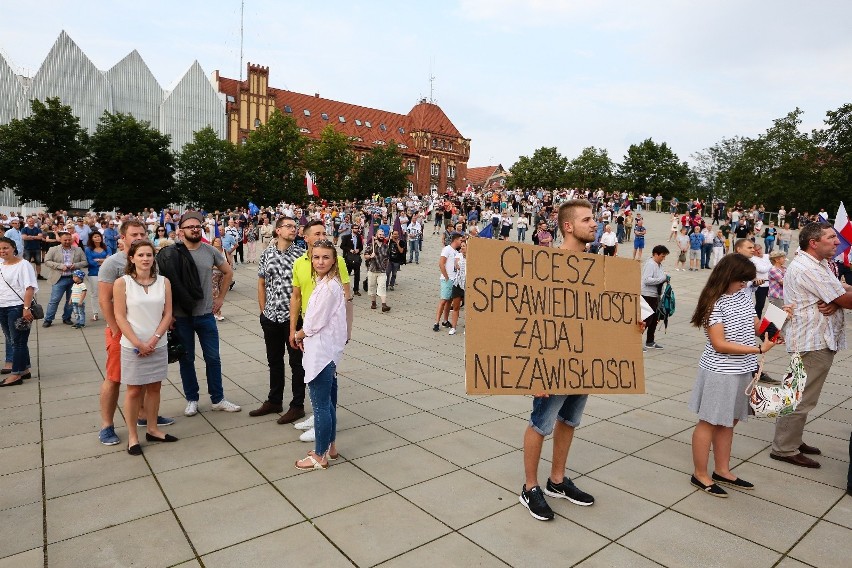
(191, 228)
(287, 226)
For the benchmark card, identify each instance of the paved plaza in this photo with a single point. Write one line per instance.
(427, 477)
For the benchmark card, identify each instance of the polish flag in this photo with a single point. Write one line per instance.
(313, 190)
(844, 232)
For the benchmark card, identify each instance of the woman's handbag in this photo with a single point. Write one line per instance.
(780, 400)
(36, 309)
(175, 348)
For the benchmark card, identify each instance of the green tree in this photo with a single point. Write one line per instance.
(45, 156)
(654, 168)
(836, 160)
(780, 167)
(593, 168)
(331, 160)
(379, 172)
(711, 167)
(132, 164)
(272, 161)
(207, 172)
(546, 169)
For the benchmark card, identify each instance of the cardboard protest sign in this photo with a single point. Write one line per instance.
(545, 320)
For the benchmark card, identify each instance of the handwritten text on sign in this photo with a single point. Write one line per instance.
(545, 320)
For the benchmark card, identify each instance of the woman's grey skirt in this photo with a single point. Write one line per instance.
(136, 370)
(720, 399)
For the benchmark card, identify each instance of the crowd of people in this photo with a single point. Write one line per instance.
(159, 281)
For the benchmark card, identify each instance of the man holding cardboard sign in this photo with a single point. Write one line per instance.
(543, 322)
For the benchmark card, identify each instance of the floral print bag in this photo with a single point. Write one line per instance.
(780, 400)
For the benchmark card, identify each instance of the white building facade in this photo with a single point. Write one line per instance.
(128, 87)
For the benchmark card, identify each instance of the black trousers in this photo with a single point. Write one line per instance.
(354, 274)
(276, 336)
(651, 322)
(238, 252)
(760, 299)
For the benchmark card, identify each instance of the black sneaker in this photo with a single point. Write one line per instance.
(567, 490)
(535, 503)
(436, 327)
(446, 324)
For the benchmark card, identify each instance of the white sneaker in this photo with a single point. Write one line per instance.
(220, 318)
(191, 408)
(308, 436)
(226, 406)
(452, 331)
(306, 425)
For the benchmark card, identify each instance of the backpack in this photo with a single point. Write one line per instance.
(666, 307)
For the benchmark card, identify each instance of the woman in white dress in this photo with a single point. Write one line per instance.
(143, 311)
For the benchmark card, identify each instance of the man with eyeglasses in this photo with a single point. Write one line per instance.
(274, 289)
(197, 320)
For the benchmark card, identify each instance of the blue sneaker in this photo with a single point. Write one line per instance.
(108, 437)
(161, 421)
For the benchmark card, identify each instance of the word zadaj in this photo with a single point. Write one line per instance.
(551, 321)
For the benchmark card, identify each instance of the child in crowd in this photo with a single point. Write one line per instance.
(726, 313)
(78, 299)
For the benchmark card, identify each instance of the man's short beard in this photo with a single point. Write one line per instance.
(193, 238)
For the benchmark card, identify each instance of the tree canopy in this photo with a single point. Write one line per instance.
(45, 156)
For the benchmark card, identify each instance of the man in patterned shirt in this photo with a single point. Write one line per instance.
(816, 332)
(274, 288)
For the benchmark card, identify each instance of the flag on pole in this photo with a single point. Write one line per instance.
(397, 226)
(253, 209)
(162, 217)
(487, 232)
(216, 232)
(313, 190)
(843, 228)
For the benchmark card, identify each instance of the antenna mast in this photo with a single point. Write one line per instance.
(242, 11)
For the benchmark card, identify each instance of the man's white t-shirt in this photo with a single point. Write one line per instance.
(449, 256)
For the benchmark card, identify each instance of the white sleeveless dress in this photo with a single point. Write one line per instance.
(144, 313)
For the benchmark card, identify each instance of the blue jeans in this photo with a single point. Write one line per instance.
(78, 313)
(61, 288)
(785, 246)
(17, 338)
(414, 250)
(768, 245)
(706, 253)
(522, 235)
(562, 407)
(186, 328)
(324, 402)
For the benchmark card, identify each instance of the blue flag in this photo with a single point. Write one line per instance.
(216, 229)
(487, 232)
(162, 217)
(253, 209)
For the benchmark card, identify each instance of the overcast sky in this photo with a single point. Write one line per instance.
(512, 75)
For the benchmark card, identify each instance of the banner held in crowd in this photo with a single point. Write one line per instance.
(546, 320)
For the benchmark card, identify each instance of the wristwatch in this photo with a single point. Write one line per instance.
(26, 308)
(158, 336)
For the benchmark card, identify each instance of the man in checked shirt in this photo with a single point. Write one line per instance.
(274, 288)
(816, 332)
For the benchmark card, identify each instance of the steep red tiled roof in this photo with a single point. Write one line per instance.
(383, 125)
(478, 176)
(430, 117)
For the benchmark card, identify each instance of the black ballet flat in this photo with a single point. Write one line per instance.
(27, 375)
(20, 381)
(5, 371)
(168, 438)
(135, 450)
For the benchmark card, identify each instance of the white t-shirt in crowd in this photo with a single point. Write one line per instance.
(449, 256)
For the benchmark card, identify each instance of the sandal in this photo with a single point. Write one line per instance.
(314, 464)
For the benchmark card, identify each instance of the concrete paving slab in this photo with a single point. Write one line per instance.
(616, 556)
(340, 486)
(819, 547)
(451, 551)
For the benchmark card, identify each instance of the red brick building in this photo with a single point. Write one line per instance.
(434, 151)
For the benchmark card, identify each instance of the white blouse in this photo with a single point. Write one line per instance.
(325, 327)
(19, 277)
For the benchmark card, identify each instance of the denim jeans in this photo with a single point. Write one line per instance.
(276, 336)
(186, 328)
(522, 235)
(706, 253)
(78, 313)
(768, 245)
(784, 246)
(61, 288)
(565, 408)
(414, 250)
(324, 402)
(393, 268)
(17, 338)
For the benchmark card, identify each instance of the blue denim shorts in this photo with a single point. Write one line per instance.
(565, 408)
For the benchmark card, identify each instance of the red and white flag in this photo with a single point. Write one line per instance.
(844, 232)
(313, 190)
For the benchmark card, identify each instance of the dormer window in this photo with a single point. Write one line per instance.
(307, 112)
(288, 109)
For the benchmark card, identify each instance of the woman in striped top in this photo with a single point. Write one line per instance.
(726, 312)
